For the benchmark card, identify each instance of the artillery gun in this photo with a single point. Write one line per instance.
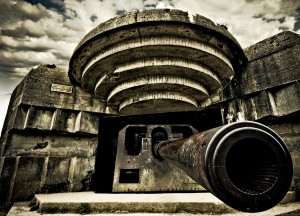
(244, 164)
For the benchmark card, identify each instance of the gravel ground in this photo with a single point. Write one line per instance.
(290, 209)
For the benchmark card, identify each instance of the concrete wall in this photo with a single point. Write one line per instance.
(49, 138)
(268, 91)
(289, 130)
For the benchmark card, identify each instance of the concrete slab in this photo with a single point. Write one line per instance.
(91, 202)
(177, 204)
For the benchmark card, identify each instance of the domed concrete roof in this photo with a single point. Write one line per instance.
(155, 61)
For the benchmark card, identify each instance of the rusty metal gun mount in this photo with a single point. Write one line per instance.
(138, 170)
(244, 164)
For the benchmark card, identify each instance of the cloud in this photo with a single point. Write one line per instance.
(250, 21)
(16, 11)
(4, 101)
(33, 34)
(26, 28)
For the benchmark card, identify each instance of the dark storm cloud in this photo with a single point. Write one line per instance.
(93, 18)
(297, 23)
(120, 12)
(287, 8)
(24, 47)
(268, 19)
(9, 63)
(20, 10)
(8, 72)
(31, 34)
(21, 32)
(57, 5)
(61, 56)
(290, 7)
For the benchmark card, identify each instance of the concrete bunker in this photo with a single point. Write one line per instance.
(143, 70)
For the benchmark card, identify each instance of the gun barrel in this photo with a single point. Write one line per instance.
(244, 164)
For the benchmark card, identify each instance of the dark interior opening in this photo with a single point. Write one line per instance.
(109, 127)
(129, 176)
(133, 139)
(158, 134)
(252, 166)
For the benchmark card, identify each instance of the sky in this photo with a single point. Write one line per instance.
(34, 32)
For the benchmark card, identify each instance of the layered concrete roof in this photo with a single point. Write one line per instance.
(155, 61)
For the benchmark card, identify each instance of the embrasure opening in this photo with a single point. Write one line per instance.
(252, 166)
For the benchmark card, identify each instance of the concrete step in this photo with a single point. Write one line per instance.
(91, 202)
(136, 204)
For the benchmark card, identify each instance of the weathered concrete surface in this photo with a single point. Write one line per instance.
(151, 203)
(269, 84)
(49, 139)
(23, 176)
(49, 86)
(139, 204)
(289, 130)
(36, 106)
(170, 59)
(272, 62)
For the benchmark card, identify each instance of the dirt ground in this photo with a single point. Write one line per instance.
(290, 209)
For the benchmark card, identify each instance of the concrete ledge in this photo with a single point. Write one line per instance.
(75, 204)
(91, 202)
